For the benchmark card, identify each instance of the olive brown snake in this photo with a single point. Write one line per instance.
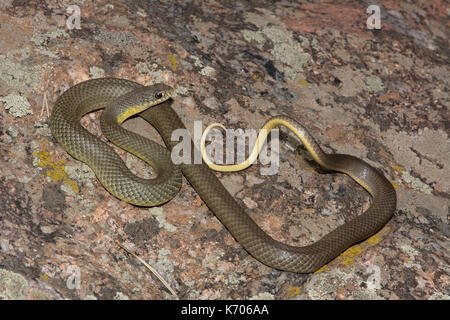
(125, 98)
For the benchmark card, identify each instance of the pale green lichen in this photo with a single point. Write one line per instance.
(16, 105)
(252, 35)
(439, 295)
(4, 245)
(197, 61)
(87, 205)
(17, 74)
(7, 140)
(416, 184)
(41, 129)
(121, 296)
(12, 131)
(325, 285)
(40, 295)
(41, 40)
(231, 280)
(81, 173)
(12, 285)
(180, 91)
(34, 145)
(285, 48)
(164, 265)
(208, 71)
(263, 296)
(412, 253)
(68, 190)
(288, 51)
(158, 76)
(119, 38)
(315, 45)
(158, 213)
(322, 286)
(25, 179)
(374, 84)
(96, 72)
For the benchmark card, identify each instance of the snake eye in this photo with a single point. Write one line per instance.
(159, 95)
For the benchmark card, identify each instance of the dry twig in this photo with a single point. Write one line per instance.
(149, 267)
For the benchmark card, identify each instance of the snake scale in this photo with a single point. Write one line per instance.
(124, 98)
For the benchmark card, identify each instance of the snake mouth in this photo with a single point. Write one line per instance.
(168, 94)
(132, 110)
(161, 97)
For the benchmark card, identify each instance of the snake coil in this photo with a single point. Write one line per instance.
(131, 98)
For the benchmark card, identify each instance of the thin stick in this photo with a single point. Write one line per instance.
(45, 102)
(149, 267)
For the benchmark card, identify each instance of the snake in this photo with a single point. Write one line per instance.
(123, 98)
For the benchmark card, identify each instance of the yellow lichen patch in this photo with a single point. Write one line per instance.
(173, 62)
(399, 169)
(293, 291)
(45, 277)
(324, 268)
(304, 83)
(381, 151)
(373, 240)
(55, 169)
(349, 255)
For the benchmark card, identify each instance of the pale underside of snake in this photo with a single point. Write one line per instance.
(124, 98)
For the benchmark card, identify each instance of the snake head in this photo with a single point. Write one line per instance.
(146, 97)
(158, 93)
(137, 101)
